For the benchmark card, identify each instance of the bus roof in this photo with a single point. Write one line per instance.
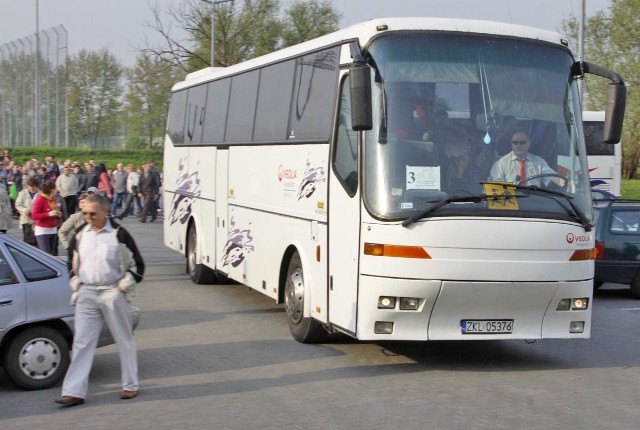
(364, 31)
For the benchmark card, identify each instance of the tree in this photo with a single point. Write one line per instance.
(244, 29)
(16, 90)
(94, 96)
(147, 99)
(306, 20)
(612, 40)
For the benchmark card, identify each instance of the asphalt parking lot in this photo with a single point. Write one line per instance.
(220, 356)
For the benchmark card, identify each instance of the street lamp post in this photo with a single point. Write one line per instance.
(213, 4)
(4, 125)
(581, 45)
(36, 111)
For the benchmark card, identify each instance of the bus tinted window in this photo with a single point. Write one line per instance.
(175, 127)
(594, 136)
(196, 100)
(274, 99)
(314, 95)
(216, 112)
(244, 90)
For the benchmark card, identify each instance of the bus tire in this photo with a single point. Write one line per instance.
(199, 273)
(304, 330)
(635, 287)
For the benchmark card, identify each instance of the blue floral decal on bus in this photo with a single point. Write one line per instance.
(238, 245)
(310, 179)
(187, 187)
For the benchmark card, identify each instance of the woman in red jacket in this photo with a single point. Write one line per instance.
(46, 213)
(104, 181)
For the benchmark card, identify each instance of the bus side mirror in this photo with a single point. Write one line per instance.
(616, 98)
(614, 112)
(361, 112)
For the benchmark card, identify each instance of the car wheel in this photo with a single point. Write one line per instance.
(199, 273)
(305, 330)
(37, 358)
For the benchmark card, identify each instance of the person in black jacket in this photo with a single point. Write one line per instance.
(149, 188)
(102, 280)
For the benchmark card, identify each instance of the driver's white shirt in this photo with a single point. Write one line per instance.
(507, 169)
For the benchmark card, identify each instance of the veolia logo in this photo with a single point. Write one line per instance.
(286, 173)
(578, 239)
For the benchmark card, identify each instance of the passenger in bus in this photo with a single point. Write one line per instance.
(431, 124)
(519, 164)
(458, 174)
(502, 137)
(468, 170)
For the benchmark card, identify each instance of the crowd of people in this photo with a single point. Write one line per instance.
(46, 197)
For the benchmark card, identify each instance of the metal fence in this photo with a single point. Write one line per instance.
(33, 90)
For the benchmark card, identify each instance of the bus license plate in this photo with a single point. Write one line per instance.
(486, 326)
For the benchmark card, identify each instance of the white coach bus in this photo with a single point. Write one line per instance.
(605, 159)
(348, 178)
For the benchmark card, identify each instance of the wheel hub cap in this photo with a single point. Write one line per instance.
(294, 296)
(39, 358)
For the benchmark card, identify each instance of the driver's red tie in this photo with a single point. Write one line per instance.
(523, 171)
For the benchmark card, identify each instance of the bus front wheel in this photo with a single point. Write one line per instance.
(198, 272)
(303, 329)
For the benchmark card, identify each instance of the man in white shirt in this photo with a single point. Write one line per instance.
(519, 164)
(108, 271)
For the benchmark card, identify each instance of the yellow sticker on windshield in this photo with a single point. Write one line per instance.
(501, 196)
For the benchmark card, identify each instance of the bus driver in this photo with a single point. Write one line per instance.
(518, 165)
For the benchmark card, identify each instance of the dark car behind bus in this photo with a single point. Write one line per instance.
(617, 232)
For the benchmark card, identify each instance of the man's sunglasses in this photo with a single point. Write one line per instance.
(89, 213)
(519, 142)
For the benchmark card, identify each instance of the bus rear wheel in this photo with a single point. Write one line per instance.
(303, 329)
(198, 272)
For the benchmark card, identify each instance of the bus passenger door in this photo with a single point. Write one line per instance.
(344, 221)
(222, 209)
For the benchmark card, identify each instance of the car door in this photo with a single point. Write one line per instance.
(623, 239)
(13, 306)
(46, 284)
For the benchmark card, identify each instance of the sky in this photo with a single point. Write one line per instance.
(123, 25)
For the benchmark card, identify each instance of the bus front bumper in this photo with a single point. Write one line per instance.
(465, 310)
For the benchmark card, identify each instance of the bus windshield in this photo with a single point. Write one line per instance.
(453, 113)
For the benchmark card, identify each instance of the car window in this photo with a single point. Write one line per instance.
(32, 269)
(625, 221)
(6, 274)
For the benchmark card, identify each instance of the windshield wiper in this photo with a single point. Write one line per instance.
(475, 198)
(576, 211)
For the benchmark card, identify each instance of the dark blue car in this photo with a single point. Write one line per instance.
(617, 232)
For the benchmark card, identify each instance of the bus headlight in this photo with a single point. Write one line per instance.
(409, 303)
(564, 305)
(580, 304)
(386, 302)
(577, 304)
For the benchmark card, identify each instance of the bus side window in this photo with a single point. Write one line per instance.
(345, 159)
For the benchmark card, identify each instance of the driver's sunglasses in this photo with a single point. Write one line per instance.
(519, 142)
